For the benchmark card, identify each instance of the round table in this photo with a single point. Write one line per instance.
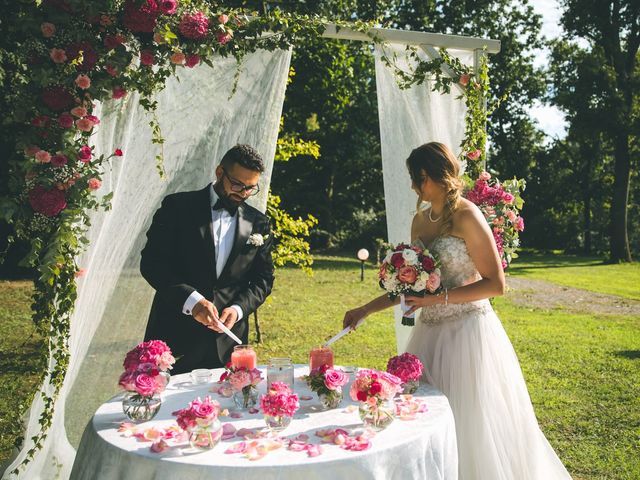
(421, 448)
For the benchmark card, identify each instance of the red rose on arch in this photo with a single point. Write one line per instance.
(89, 55)
(57, 98)
(47, 202)
(140, 18)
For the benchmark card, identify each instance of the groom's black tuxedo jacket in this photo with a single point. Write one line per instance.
(179, 257)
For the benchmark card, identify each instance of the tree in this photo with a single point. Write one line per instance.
(612, 30)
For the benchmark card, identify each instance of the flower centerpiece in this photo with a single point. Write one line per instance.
(375, 391)
(143, 384)
(243, 382)
(327, 382)
(200, 420)
(408, 368)
(500, 204)
(409, 269)
(156, 352)
(278, 406)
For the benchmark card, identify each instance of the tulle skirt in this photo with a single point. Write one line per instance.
(469, 357)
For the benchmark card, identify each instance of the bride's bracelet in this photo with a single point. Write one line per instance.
(446, 297)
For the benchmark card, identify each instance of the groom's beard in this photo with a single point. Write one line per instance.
(233, 200)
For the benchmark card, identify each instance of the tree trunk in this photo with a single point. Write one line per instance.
(620, 251)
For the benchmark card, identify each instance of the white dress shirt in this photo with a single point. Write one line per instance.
(224, 229)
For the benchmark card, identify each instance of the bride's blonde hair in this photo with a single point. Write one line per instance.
(438, 162)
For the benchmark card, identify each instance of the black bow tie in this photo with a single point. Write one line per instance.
(228, 206)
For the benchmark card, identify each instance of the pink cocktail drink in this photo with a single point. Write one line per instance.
(244, 356)
(320, 356)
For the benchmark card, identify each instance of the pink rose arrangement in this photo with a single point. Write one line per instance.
(408, 368)
(145, 380)
(278, 405)
(409, 269)
(152, 351)
(243, 382)
(200, 419)
(327, 382)
(374, 387)
(500, 204)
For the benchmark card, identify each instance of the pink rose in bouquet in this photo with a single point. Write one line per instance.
(279, 401)
(145, 380)
(327, 383)
(374, 387)
(199, 413)
(335, 379)
(409, 270)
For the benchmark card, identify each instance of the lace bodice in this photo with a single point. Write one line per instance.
(457, 269)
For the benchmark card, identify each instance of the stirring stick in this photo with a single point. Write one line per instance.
(341, 334)
(229, 332)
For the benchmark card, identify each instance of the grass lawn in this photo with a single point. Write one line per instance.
(582, 370)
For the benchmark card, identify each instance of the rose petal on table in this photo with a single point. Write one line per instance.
(159, 446)
(305, 397)
(303, 437)
(152, 434)
(297, 447)
(256, 452)
(314, 450)
(228, 431)
(240, 447)
(172, 432)
(127, 429)
(351, 409)
(253, 410)
(235, 415)
(245, 432)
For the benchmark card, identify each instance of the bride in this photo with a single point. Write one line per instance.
(459, 338)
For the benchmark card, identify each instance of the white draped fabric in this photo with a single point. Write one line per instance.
(409, 118)
(200, 122)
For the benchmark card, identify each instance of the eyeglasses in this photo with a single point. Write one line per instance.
(239, 187)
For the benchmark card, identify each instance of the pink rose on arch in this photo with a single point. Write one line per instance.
(397, 260)
(520, 224)
(407, 274)
(48, 29)
(177, 58)
(65, 120)
(94, 184)
(59, 160)
(147, 58)
(118, 92)
(79, 112)
(168, 7)
(83, 81)
(85, 154)
(485, 176)
(334, 379)
(194, 26)
(433, 282)
(511, 215)
(223, 19)
(223, 37)
(464, 79)
(474, 154)
(84, 124)
(58, 55)
(43, 156)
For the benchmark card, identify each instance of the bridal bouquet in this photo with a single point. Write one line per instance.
(327, 383)
(408, 368)
(375, 390)
(244, 383)
(409, 269)
(278, 406)
(200, 420)
(500, 204)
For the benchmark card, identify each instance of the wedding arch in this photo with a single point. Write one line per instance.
(106, 84)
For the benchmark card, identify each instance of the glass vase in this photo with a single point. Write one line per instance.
(139, 408)
(410, 387)
(246, 398)
(205, 437)
(330, 400)
(277, 423)
(377, 416)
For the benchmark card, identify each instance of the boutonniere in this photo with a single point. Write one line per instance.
(257, 239)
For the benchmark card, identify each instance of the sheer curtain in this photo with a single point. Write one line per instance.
(409, 118)
(200, 122)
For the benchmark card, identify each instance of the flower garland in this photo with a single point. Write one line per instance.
(79, 52)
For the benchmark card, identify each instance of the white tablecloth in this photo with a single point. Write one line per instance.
(424, 448)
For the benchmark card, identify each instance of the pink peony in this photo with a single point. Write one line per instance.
(65, 120)
(239, 380)
(474, 154)
(147, 58)
(59, 160)
(223, 37)
(118, 92)
(464, 79)
(177, 58)
(85, 154)
(84, 124)
(194, 26)
(47, 202)
(89, 55)
(58, 55)
(57, 98)
(279, 401)
(406, 367)
(407, 274)
(43, 156)
(48, 29)
(168, 7)
(192, 60)
(334, 379)
(79, 112)
(433, 282)
(83, 81)
(94, 184)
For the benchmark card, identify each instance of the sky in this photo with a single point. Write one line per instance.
(550, 118)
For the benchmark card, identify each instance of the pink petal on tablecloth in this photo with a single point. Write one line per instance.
(159, 446)
(305, 397)
(303, 437)
(153, 433)
(228, 431)
(314, 450)
(244, 432)
(253, 410)
(235, 415)
(240, 447)
(297, 447)
(127, 429)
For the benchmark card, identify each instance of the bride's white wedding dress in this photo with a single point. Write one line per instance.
(468, 356)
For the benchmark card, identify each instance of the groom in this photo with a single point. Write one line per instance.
(208, 256)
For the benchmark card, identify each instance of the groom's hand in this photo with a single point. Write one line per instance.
(229, 317)
(206, 313)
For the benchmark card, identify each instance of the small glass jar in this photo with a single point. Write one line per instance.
(205, 437)
(277, 423)
(377, 417)
(246, 398)
(280, 370)
(409, 387)
(330, 400)
(200, 376)
(139, 408)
